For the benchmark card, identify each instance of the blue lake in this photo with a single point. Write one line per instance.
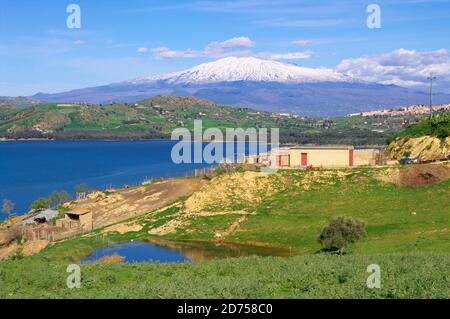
(138, 251)
(33, 169)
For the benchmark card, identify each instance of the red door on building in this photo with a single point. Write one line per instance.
(304, 159)
(278, 160)
(350, 158)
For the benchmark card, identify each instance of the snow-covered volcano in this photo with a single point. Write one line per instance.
(233, 69)
(260, 84)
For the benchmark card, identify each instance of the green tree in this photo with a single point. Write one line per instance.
(59, 197)
(40, 203)
(82, 188)
(340, 232)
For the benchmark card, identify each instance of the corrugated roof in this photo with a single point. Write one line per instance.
(48, 214)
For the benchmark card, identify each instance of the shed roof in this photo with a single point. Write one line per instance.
(79, 212)
(48, 214)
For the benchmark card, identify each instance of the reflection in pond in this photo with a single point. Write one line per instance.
(166, 251)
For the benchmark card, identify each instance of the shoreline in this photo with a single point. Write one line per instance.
(2, 139)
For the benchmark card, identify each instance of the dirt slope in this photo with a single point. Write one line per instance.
(425, 147)
(416, 175)
(120, 205)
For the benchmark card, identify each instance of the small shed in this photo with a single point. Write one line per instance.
(43, 216)
(82, 216)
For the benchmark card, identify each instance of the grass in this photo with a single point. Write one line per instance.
(293, 217)
(418, 275)
(412, 249)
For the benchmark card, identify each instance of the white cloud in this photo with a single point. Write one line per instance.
(303, 42)
(291, 55)
(402, 67)
(79, 42)
(142, 50)
(166, 53)
(212, 50)
(223, 49)
(237, 42)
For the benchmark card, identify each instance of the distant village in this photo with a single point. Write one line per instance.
(409, 110)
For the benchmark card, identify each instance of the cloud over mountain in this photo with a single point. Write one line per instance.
(401, 67)
(237, 46)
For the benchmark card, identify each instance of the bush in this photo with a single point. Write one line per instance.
(340, 232)
(12, 233)
(442, 132)
(40, 203)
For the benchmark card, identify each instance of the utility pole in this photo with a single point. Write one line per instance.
(431, 78)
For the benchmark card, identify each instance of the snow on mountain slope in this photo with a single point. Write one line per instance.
(232, 69)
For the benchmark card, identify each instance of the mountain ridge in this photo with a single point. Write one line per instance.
(232, 69)
(303, 91)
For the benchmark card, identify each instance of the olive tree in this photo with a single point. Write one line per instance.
(81, 190)
(340, 232)
(59, 197)
(40, 203)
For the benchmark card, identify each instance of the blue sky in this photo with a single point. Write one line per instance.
(121, 40)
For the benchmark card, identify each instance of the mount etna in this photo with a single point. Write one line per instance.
(260, 84)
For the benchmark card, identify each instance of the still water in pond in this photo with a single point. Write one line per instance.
(173, 251)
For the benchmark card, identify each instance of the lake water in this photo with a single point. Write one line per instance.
(138, 251)
(167, 251)
(33, 169)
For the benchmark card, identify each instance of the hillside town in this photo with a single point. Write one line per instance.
(408, 110)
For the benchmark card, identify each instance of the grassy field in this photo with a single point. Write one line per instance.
(408, 235)
(317, 276)
(398, 218)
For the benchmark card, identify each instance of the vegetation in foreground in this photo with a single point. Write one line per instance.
(418, 275)
(407, 229)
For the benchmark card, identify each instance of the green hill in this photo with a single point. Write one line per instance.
(18, 101)
(438, 126)
(158, 116)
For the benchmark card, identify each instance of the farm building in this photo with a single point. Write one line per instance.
(76, 219)
(316, 156)
(321, 156)
(42, 216)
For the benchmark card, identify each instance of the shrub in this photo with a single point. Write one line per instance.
(40, 203)
(340, 232)
(442, 132)
(12, 233)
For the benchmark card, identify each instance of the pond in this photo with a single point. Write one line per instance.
(165, 251)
